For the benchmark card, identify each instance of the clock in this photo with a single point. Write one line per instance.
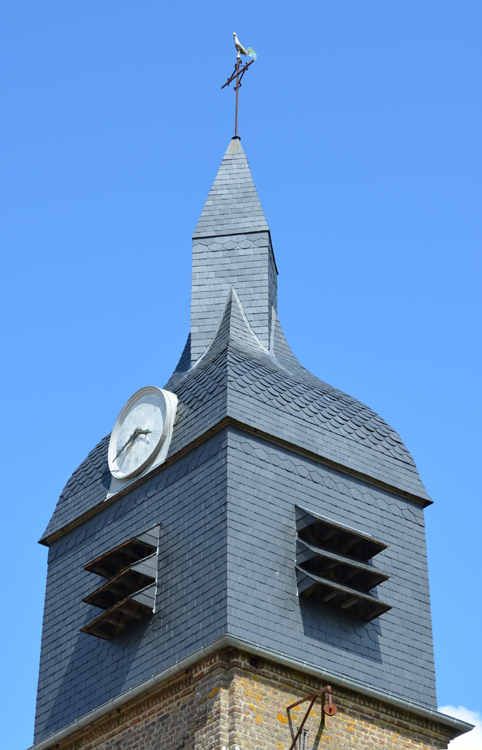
(142, 431)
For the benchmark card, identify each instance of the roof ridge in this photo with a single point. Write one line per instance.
(228, 329)
(225, 334)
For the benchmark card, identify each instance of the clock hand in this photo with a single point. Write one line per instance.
(134, 435)
(141, 432)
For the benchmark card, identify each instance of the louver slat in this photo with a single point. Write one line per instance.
(117, 619)
(323, 532)
(322, 590)
(115, 560)
(118, 588)
(344, 570)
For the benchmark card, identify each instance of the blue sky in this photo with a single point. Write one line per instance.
(361, 122)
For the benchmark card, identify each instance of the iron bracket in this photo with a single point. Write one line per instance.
(330, 709)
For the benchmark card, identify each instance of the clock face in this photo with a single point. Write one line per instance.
(138, 433)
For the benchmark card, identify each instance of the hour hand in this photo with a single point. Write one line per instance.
(128, 442)
(138, 431)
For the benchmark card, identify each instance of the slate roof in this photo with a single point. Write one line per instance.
(262, 385)
(268, 390)
(272, 392)
(232, 206)
(228, 498)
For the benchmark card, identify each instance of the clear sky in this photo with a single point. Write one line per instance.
(362, 125)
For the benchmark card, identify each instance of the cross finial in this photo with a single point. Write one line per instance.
(239, 73)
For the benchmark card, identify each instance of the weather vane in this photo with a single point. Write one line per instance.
(239, 73)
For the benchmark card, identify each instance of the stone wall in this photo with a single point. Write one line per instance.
(233, 701)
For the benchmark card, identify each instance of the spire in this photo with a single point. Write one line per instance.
(232, 206)
(232, 247)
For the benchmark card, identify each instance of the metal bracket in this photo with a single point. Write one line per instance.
(330, 709)
(237, 71)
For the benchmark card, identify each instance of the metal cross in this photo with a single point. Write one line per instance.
(238, 75)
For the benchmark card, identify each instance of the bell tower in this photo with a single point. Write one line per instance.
(258, 574)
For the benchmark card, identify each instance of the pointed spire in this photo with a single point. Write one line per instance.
(232, 247)
(233, 205)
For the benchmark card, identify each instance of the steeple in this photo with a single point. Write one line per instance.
(232, 206)
(243, 562)
(232, 247)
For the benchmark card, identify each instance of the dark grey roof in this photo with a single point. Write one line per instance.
(257, 381)
(269, 391)
(233, 205)
(272, 392)
(87, 486)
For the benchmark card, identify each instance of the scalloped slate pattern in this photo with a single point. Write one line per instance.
(238, 377)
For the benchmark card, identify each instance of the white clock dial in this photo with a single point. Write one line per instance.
(138, 432)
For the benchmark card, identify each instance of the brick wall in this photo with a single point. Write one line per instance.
(229, 701)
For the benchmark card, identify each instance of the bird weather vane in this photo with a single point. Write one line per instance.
(239, 73)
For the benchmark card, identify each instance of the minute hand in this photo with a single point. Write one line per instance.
(138, 431)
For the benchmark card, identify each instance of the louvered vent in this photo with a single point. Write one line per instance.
(128, 595)
(333, 565)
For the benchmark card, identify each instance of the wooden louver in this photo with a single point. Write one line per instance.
(333, 565)
(128, 595)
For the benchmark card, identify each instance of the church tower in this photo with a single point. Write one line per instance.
(246, 537)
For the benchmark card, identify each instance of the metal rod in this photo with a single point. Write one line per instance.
(326, 689)
(229, 79)
(238, 74)
(313, 697)
(302, 724)
(237, 96)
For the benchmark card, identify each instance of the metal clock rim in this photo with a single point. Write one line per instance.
(117, 426)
